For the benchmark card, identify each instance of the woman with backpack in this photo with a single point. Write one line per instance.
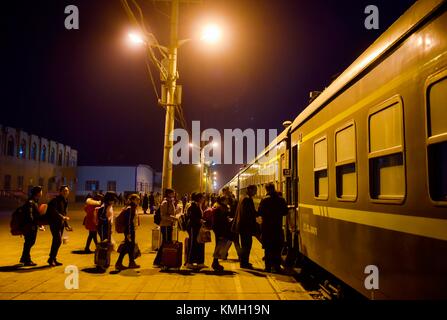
(105, 216)
(129, 223)
(29, 225)
(91, 220)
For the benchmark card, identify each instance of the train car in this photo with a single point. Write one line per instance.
(367, 164)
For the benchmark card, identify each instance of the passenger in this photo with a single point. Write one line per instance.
(244, 224)
(30, 225)
(57, 219)
(91, 220)
(130, 216)
(272, 209)
(167, 212)
(105, 216)
(222, 231)
(196, 254)
(145, 204)
(151, 203)
(232, 206)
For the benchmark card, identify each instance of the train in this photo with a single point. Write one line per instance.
(364, 166)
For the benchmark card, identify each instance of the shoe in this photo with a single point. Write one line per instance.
(246, 266)
(217, 267)
(189, 266)
(119, 267)
(57, 263)
(201, 266)
(133, 265)
(88, 251)
(156, 266)
(29, 264)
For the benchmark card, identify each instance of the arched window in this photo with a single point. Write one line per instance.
(33, 154)
(10, 147)
(59, 158)
(22, 150)
(53, 156)
(43, 154)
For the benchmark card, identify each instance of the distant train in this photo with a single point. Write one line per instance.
(365, 165)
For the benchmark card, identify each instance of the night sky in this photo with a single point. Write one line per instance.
(87, 88)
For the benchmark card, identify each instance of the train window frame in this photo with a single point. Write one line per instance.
(431, 140)
(346, 162)
(320, 169)
(396, 150)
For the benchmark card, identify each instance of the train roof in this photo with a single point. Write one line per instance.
(399, 29)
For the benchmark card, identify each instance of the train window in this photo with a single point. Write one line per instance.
(437, 138)
(386, 160)
(345, 163)
(321, 181)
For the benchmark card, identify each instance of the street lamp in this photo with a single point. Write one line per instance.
(202, 163)
(169, 74)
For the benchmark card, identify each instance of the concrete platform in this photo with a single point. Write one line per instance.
(146, 283)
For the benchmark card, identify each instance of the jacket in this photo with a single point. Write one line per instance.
(31, 217)
(221, 225)
(57, 210)
(245, 220)
(167, 211)
(91, 220)
(272, 209)
(194, 216)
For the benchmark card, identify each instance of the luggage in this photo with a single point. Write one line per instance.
(136, 249)
(156, 237)
(204, 235)
(171, 255)
(157, 216)
(102, 254)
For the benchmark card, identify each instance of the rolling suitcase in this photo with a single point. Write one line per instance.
(171, 255)
(102, 254)
(156, 237)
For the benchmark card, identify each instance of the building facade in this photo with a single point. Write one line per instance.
(121, 179)
(27, 160)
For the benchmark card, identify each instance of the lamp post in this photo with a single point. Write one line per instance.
(210, 34)
(202, 164)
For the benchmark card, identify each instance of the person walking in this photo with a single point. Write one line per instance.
(145, 205)
(272, 209)
(91, 220)
(244, 224)
(105, 216)
(57, 219)
(196, 254)
(130, 217)
(151, 203)
(222, 231)
(167, 213)
(30, 225)
(232, 207)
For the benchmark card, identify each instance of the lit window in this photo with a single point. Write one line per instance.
(43, 154)
(33, 154)
(345, 166)
(386, 159)
(22, 150)
(111, 185)
(92, 185)
(321, 180)
(437, 139)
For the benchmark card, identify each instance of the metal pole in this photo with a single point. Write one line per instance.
(171, 83)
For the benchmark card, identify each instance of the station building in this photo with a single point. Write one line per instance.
(27, 160)
(121, 179)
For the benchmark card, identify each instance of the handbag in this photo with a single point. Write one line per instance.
(136, 249)
(204, 235)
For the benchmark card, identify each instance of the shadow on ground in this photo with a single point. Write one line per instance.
(21, 269)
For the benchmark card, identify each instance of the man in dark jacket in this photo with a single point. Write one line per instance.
(151, 203)
(57, 219)
(30, 225)
(145, 204)
(244, 224)
(272, 209)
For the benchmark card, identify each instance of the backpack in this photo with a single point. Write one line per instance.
(120, 222)
(17, 221)
(157, 216)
